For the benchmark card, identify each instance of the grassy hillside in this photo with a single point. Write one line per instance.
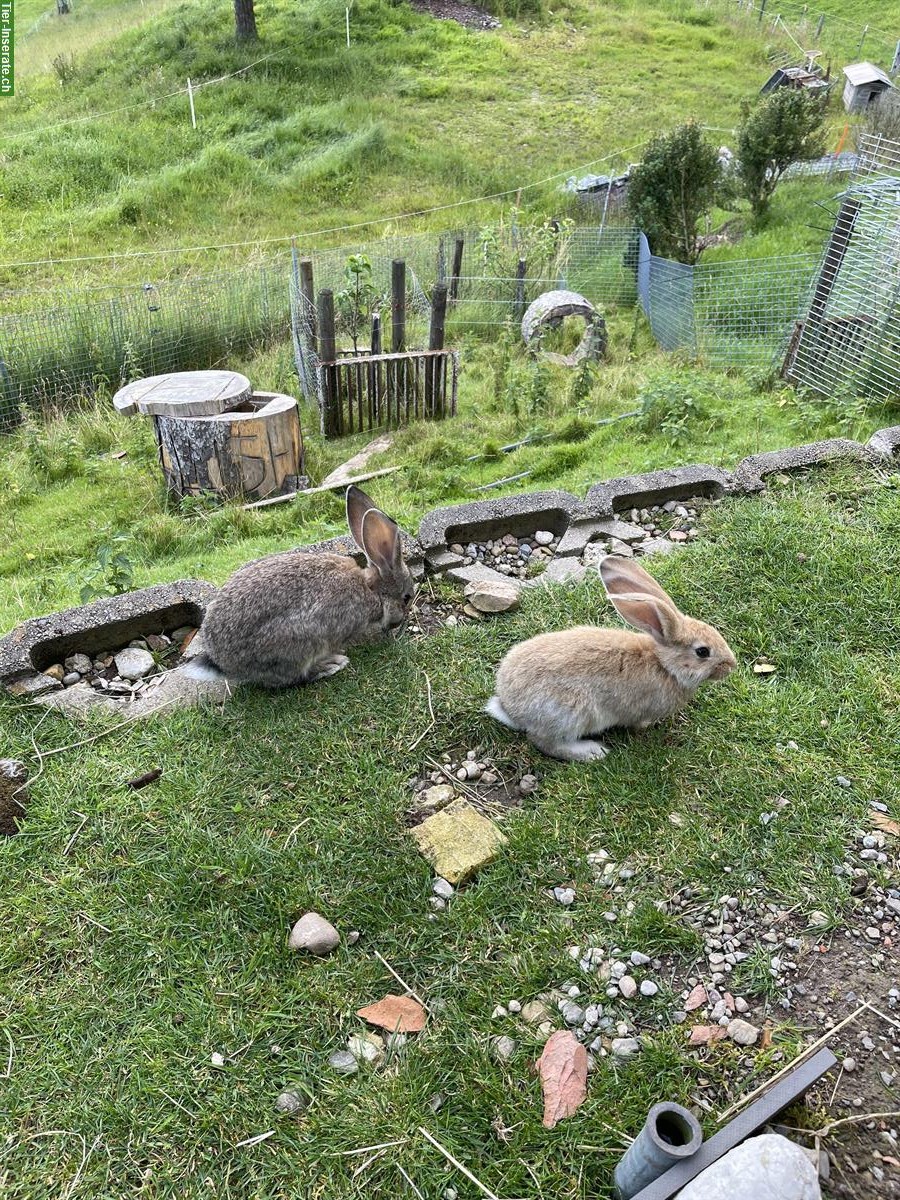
(416, 113)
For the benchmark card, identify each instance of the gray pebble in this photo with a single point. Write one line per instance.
(572, 1014)
(843, 781)
(514, 1006)
(649, 988)
(623, 1047)
(70, 678)
(289, 1103)
(79, 663)
(343, 1062)
(442, 888)
(314, 934)
(504, 1048)
(849, 1064)
(639, 960)
(564, 896)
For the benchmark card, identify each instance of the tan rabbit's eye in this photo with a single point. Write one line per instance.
(702, 651)
(407, 597)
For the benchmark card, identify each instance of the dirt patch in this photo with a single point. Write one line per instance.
(463, 14)
(495, 789)
(864, 1156)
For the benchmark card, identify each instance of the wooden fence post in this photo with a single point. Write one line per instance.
(820, 26)
(762, 9)
(307, 291)
(520, 289)
(375, 373)
(331, 412)
(456, 271)
(435, 363)
(398, 306)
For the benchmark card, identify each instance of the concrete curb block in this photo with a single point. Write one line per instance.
(886, 442)
(750, 473)
(655, 487)
(41, 641)
(484, 519)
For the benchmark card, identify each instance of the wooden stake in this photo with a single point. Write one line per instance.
(398, 306)
(307, 291)
(456, 270)
(521, 268)
(331, 414)
(191, 100)
(347, 17)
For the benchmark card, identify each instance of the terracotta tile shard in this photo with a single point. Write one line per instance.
(397, 1014)
(703, 1035)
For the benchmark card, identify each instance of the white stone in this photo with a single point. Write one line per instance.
(742, 1032)
(768, 1167)
(623, 1047)
(648, 988)
(627, 986)
(314, 934)
(543, 537)
(369, 1049)
(504, 1048)
(493, 595)
(133, 663)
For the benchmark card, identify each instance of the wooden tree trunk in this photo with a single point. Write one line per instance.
(252, 454)
(244, 21)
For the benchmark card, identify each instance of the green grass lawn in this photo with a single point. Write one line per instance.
(157, 941)
(416, 113)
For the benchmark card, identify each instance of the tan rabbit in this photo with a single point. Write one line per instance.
(560, 687)
(287, 619)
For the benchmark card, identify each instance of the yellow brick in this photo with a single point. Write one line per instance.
(458, 841)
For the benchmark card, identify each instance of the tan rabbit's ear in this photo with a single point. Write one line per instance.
(381, 541)
(657, 617)
(623, 576)
(358, 504)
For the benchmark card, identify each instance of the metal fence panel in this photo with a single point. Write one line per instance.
(670, 304)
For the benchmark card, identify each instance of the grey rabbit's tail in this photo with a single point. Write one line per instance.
(202, 667)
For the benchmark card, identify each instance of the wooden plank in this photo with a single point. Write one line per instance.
(398, 305)
(329, 487)
(184, 394)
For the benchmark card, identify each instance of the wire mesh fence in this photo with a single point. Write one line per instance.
(796, 29)
(51, 356)
(729, 314)
(847, 342)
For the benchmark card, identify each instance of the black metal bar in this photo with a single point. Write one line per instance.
(783, 1093)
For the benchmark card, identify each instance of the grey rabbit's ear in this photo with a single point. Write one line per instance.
(623, 576)
(358, 504)
(381, 541)
(659, 618)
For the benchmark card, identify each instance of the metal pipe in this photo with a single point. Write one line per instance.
(670, 1135)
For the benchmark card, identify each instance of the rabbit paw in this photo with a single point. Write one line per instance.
(580, 751)
(328, 666)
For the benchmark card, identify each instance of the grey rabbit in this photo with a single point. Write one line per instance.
(287, 619)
